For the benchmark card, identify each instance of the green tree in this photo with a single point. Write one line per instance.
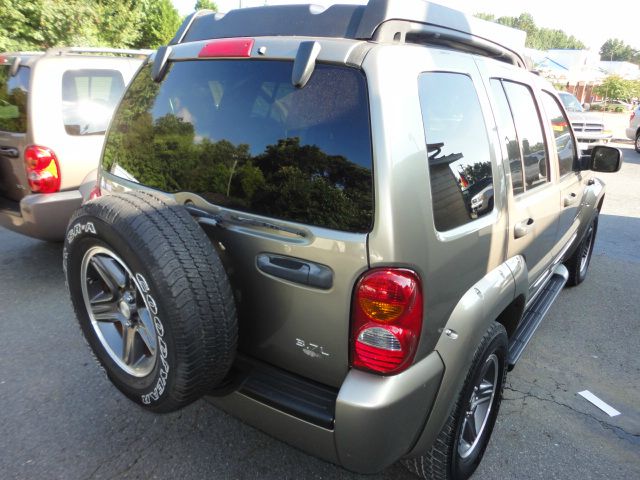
(117, 22)
(41, 24)
(38, 24)
(206, 5)
(634, 87)
(537, 37)
(160, 22)
(614, 87)
(616, 50)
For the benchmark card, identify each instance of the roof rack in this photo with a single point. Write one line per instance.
(99, 50)
(384, 21)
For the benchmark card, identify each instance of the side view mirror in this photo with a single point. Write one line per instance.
(605, 159)
(586, 106)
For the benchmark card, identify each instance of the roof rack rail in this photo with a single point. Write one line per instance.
(18, 53)
(397, 21)
(100, 50)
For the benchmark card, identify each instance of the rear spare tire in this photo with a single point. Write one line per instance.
(152, 298)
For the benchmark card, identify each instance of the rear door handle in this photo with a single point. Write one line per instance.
(522, 228)
(570, 199)
(296, 270)
(9, 152)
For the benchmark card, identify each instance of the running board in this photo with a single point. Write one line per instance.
(535, 312)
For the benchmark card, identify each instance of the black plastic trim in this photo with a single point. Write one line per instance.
(296, 270)
(287, 392)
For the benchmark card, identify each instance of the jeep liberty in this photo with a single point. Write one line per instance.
(342, 225)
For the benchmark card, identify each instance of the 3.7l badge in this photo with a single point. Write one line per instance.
(311, 349)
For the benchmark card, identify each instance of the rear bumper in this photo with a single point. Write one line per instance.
(43, 216)
(377, 420)
(631, 132)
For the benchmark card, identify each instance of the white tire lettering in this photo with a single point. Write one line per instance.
(163, 374)
(79, 228)
(153, 307)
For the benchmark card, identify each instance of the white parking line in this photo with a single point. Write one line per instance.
(606, 408)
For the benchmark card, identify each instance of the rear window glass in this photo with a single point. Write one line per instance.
(13, 99)
(531, 135)
(241, 136)
(88, 100)
(458, 148)
(507, 133)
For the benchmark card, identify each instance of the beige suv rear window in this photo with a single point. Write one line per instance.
(88, 100)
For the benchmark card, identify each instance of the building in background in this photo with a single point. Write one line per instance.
(578, 71)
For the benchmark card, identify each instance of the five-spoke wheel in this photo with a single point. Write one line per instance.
(118, 311)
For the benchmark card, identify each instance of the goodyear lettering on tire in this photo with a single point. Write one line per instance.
(161, 384)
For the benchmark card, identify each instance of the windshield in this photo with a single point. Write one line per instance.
(13, 99)
(240, 135)
(571, 103)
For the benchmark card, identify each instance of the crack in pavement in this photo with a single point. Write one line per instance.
(633, 438)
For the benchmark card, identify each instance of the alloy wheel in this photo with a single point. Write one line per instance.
(119, 311)
(479, 408)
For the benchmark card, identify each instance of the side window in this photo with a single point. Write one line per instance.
(13, 99)
(88, 100)
(458, 149)
(525, 115)
(508, 137)
(565, 144)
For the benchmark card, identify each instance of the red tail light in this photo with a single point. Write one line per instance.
(633, 115)
(95, 191)
(43, 170)
(387, 320)
(228, 47)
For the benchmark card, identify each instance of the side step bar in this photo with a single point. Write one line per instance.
(535, 312)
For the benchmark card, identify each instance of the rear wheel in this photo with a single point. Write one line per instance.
(578, 263)
(459, 448)
(151, 298)
(637, 144)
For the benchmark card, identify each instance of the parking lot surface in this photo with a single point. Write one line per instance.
(61, 418)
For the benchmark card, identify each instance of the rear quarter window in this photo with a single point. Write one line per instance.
(238, 134)
(88, 100)
(460, 171)
(13, 99)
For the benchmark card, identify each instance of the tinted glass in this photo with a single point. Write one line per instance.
(88, 100)
(240, 135)
(565, 144)
(508, 137)
(458, 149)
(570, 102)
(13, 99)
(529, 129)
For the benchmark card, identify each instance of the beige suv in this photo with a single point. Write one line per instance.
(346, 233)
(54, 109)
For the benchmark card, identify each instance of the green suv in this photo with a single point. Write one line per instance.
(342, 226)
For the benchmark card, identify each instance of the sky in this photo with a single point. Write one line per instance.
(591, 24)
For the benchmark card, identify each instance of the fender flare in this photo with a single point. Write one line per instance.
(467, 324)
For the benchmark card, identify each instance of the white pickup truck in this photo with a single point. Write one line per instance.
(588, 127)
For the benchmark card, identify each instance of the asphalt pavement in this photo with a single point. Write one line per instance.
(60, 418)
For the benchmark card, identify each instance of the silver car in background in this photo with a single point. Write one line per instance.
(633, 130)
